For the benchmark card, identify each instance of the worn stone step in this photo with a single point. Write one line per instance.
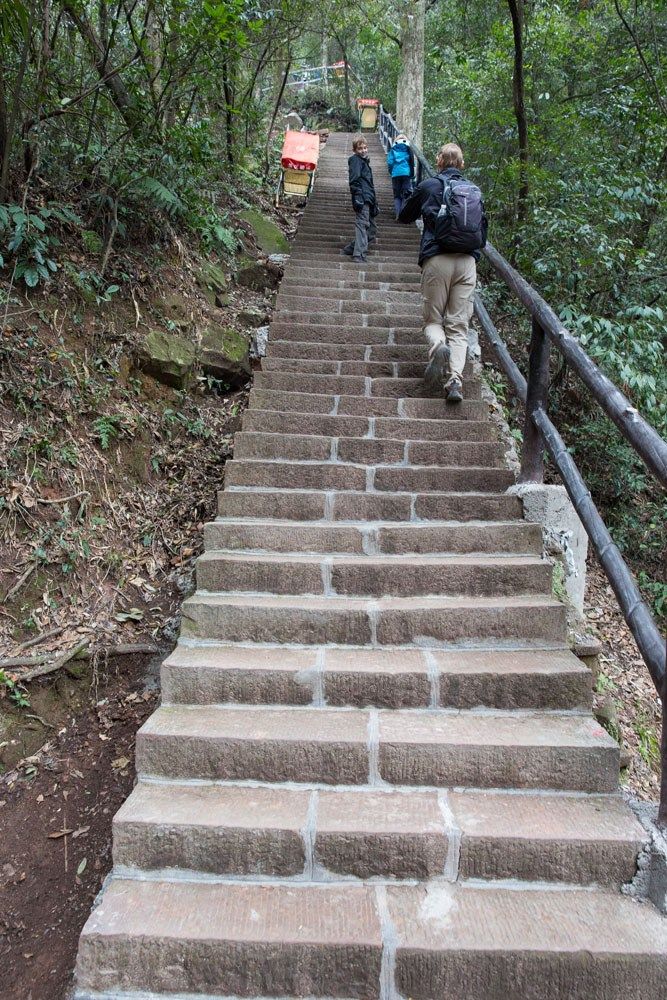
(408, 324)
(384, 621)
(373, 576)
(351, 385)
(372, 369)
(339, 746)
(385, 678)
(337, 271)
(232, 939)
(372, 538)
(540, 944)
(300, 277)
(347, 352)
(319, 835)
(341, 425)
(327, 332)
(282, 831)
(285, 474)
(296, 285)
(322, 505)
(366, 451)
(379, 304)
(368, 406)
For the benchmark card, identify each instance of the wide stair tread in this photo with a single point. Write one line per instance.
(278, 940)
(344, 746)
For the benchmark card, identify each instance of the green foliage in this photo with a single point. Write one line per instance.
(16, 691)
(28, 239)
(107, 429)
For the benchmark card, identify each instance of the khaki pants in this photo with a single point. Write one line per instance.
(448, 285)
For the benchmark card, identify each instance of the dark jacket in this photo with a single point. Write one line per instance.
(425, 201)
(362, 188)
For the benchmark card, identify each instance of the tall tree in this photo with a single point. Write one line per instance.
(410, 86)
(518, 97)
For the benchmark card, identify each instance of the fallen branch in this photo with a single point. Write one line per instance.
(50, 668)
(81, 653)
(74, 496)
(19, 583)
(51, 634)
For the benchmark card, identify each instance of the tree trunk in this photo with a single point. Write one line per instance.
(410, 86)
(117, 90)
(517, 14)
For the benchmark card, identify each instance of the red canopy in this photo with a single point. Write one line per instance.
(301, 150)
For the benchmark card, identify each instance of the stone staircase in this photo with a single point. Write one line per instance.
(374, 772)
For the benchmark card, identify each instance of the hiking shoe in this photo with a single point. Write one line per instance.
(454, 390)
(434, 376)
(360, 260)
(348, 251)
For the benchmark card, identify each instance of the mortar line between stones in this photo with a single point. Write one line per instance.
(434, 678)
(308, 834)
(453, 835)
(388, 989)
(373, 747)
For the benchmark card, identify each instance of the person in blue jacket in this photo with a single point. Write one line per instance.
(401, 166)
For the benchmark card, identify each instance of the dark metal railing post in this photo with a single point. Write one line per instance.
(662, 808)
(532, 455)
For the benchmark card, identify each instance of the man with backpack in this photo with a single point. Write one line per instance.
(364, 201)
(401, 167)
(455, 227)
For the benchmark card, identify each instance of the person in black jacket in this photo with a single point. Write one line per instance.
(364, 202)
(448, 278)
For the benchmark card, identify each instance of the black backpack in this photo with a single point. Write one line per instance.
(460, 225)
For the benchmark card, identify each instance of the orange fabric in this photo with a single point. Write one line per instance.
(301, 151)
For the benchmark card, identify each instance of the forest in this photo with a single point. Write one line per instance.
(139, 157)
(140, 123)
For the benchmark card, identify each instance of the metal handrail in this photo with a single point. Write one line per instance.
(541, 434)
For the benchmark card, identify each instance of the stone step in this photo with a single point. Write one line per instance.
(341, 574)
(333, 271)
(379, 304)
(298, 286)
(297, 328)
(297, 475)
(351, 385)
(385, 678)
(321, 835)
(385, 621)
(298, 278)
(374, 538)
(410, 324)
(401, 428)
(348, 352)
(406, 747)
(322, 505)
(232, 939)
(366, 451)
(332, 404)
(359, 368)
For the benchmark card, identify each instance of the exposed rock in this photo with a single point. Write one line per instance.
(259, 277)
(167, 357)
(213, 282)
(251, 317)
(259, 342)
(268, 236)
(175, 309)
(293, 122)
(225, 354)
(279, 258)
